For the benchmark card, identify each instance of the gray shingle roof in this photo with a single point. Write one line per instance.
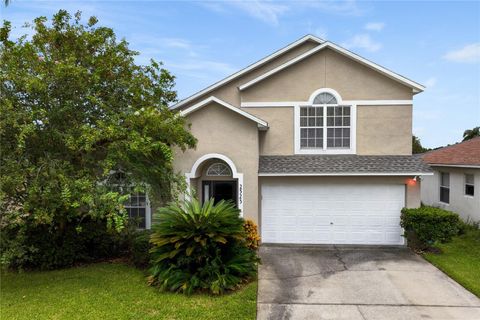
(341, 164)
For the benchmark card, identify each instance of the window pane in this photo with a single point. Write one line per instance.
(338, 132)
(346, 111)
(141, 218)
(330, 111)
(311, 111)
(445, 179)
(303, 121)
(346, 121)
(319, 133)
(303, 143)
(319, 122)
(325, 98)
(338, 142)
(311, 122)
(330, 133)
(469, 178)
(319, 142)
(444, 195)
(346, 132)
(338, 111)
(311, 143)
(469, 190)
(303, 133)
(132, 212)
(142, 200)
(303, 111)
(330, 142)
(330, 121)
(346, 142)
(311, 133)
(133, 200)
(338, 121)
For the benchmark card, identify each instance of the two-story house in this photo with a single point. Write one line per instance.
(312, 142)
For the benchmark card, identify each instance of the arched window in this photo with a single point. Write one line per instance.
(325, 98)
(219, 169)
(325, 124)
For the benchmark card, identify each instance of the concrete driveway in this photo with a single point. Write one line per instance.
(357, 283)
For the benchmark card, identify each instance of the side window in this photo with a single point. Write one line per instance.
(469, 185)
(137, 205)
(445, 187)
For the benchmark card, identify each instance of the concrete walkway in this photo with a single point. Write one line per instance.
(357, 283)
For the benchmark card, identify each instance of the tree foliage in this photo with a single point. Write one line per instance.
(417, 145)
(74, 107)
(471, 133)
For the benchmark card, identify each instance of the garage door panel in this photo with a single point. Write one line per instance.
(332, 213)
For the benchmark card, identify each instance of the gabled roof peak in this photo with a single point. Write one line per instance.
(262, 125)
(308, 37)
(416, 87)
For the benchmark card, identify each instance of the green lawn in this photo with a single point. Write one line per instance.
(461, 260)
(111, 291)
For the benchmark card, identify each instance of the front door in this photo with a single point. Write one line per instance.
(220, 190)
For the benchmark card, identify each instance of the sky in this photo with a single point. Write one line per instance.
(434, 43)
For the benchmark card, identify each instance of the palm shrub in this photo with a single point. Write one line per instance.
(200, 248)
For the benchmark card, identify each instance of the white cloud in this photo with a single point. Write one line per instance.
(362, 41)
(346, 7)
(468, 54)
(431, 82)
(264, 10)
(270, 11)
(375, 26)
(176, 43)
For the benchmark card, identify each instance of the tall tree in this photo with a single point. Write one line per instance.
(471, 133)
(417, 145)
(74, 107)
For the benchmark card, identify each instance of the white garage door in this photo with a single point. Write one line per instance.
(332, 213)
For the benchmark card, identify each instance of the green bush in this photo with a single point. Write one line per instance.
(62, 246)
(426, 226)
(140, 248)
(200, 248)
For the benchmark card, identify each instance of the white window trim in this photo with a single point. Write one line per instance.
(440, 186)
(325, 150)
(470, 184)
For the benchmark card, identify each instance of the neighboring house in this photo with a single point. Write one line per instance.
(312, 142)
(455, 184)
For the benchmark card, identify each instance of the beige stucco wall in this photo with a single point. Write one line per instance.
(278, 139)
(223, 131)
(384, 130)
(412, 189)
(327, 69)
(466, 206)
